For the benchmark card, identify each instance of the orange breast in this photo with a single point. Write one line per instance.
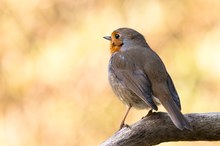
(114, 48)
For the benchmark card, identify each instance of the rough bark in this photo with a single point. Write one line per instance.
(158, 128)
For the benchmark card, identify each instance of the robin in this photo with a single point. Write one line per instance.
(139, 78)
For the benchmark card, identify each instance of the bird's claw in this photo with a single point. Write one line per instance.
(148, 114)
(124, 125)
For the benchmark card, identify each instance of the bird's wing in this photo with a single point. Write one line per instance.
(133, 78)
(173, 91)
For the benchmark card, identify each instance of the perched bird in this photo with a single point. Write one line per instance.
(139, 78)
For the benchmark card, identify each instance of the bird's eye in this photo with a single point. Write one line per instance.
(117, 36)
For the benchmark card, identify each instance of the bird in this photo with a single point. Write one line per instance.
(139, 78)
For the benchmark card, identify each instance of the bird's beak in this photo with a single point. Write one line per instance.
(107, 38)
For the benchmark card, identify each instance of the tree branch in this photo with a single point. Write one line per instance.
(158, 128)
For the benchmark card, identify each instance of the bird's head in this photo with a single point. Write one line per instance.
(124, 36)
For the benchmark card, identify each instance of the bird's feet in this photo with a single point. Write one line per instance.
(148, 114)
(124, 125)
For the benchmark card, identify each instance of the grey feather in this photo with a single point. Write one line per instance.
(175, 114)
(173, 92)
(132, 77)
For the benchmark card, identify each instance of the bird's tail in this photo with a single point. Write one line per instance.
(175, 114)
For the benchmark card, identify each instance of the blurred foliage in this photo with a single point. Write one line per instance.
(53, 65)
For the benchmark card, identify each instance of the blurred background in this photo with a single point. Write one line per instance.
(53, 65)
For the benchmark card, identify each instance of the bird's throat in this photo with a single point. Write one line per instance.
(115, 48)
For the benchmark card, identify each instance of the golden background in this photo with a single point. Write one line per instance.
(53, 65)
